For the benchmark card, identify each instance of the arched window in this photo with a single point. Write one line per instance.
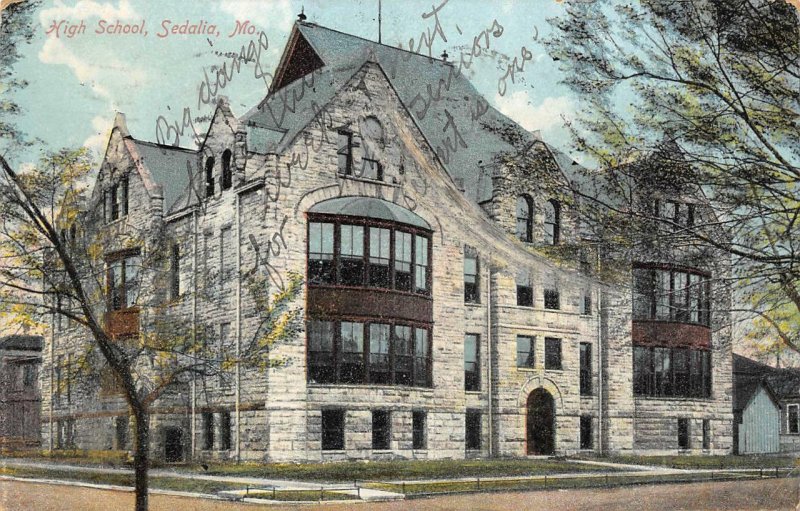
(552, 222)
(524, 218)
(227, 175)
(210, 176)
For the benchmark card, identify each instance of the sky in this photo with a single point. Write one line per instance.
(77, 81)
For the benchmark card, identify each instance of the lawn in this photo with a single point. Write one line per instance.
(611, 480)
(348, 471)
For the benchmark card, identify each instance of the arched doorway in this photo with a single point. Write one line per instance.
(541, 423)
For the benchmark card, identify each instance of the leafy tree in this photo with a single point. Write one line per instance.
(51, 268)
(713, 88)
(16, 29)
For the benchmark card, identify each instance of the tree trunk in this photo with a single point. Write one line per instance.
(141, 457)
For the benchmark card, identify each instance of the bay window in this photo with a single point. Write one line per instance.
(352, 352)
(357, 254)
(123, 282)
(671, 372)
(670, 294)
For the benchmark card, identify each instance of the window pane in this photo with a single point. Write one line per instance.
(551, 299)
(525, 296)
(332, 429)
(662, 294)
(525, 347)
(351, 368)
(552, 353)
(381, 430)
(679, 298)
(403, 355)
(523, 229)
(320, 253)
(418, 430)
(320, 352)
(352, 255)
(379, 370)
(643, 293)
(421, 264)
(471, 363)
(132, 266)
(402, 260)
(472, 437)
(379, 243)
(421, 358)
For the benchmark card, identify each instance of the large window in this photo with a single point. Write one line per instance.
(525, 347)
(471, 277)
(349, 253)
(683, 434)
(210, 176)
(671, 295)
(418, 436)
(472, 429)
(472, 375)
(586, 369)
(208, 431)
(524, 218)
(524, 296)
(793, 419)
(227, 172)
(123, 282)
(552, 353)
(552, 222)
(671, 372)
(381, 430)
(344, 153)
(332, 429)
(356, 352)
(586, 432)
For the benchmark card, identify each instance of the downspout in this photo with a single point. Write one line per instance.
(52, 375)
(238, 327)
(489, 361)
(599, 360)
(193, 396)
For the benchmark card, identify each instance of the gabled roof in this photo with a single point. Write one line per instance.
(745, 389)
(164, 169)
(272, 126)
(171, 167)
(784, 382)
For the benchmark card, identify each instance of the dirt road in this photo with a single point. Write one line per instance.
(740, 495)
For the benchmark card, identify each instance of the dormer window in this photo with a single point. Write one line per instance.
(227, 174)
(552, 222)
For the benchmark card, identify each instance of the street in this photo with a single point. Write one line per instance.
(738, 495)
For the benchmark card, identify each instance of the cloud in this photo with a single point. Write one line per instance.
(101, 127)
(279, 15)
(54, 51)
(88, 9)
(547, 115)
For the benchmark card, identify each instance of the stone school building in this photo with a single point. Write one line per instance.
(451, 304)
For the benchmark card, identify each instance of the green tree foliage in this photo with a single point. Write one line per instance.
(713, 87)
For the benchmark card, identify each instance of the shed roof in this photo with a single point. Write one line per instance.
(369, 207)
(22, 342)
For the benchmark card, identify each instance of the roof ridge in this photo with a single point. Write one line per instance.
(315, 25)
(164, 146)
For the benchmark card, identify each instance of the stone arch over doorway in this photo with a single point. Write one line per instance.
(539, 400)
(540, 423)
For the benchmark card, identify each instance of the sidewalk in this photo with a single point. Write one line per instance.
(358, 491)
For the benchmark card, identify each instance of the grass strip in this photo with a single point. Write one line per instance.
(348, 471)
